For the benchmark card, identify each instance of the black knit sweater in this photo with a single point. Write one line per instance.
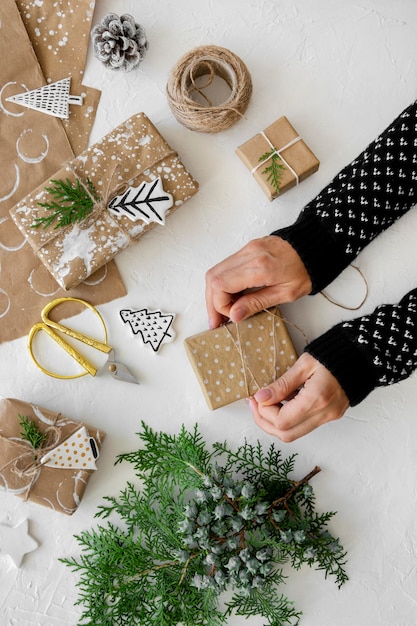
(364, 199)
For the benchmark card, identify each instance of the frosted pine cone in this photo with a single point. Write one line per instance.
(119, 42)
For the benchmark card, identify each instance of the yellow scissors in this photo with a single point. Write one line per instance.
(116, 369)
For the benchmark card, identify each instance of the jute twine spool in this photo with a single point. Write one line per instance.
(208, 61)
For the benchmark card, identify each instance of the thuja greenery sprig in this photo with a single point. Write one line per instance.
(30, 432)
(274, 170)
(206, 523)
(72, 203)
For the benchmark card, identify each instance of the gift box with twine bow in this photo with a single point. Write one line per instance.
(133, 180)
(279, 149)
(235, 360)
(54, 472)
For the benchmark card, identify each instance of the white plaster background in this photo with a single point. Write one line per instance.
(340, 70)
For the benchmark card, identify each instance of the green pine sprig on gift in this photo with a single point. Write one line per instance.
(72, 203)
(274, 170)
(30, 432)
(205, 524)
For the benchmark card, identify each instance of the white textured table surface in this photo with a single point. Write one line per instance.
(340, 70)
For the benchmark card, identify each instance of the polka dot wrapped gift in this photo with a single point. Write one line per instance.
(53, 471)
(235, 360)
(131, 180)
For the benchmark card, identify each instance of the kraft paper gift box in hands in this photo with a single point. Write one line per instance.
(278, 158)
(235, 360)
(103, 200)
(45, 457)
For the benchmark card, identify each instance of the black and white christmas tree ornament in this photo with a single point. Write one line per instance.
(53, 99)
(148, 202)
(154, 327)
(120, 43)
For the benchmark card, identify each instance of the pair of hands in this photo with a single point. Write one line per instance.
(307, 395)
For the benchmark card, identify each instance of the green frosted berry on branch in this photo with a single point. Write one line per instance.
(233, 564)
(190, 510)
(223, 510)
(264, 554)
(204, 518)
(278, 515)
(248, 491)
(286, 536)
(245, 554)
(299, 536)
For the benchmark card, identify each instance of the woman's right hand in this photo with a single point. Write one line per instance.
(268, 266)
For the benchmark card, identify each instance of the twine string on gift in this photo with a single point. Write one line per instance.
(100, 202)
(28, 463)
(278, 152)
(238, 344)
(210, 61)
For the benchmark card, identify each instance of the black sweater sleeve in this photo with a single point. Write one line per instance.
(371, 351)
(364, 199)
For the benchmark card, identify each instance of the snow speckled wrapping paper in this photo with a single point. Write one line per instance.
(133, 152)
(60, 39)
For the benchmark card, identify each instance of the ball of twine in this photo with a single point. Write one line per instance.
(208, 61)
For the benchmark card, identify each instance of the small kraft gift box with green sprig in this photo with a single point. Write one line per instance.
(278, 158)
(104, 200)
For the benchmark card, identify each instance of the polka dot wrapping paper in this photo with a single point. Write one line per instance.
(130, 155)
(235, 360)
(56, 473)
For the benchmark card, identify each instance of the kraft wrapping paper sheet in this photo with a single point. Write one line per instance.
(33, 146)
(59, 33)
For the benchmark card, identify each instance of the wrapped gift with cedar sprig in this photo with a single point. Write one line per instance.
(45, 457)
(278, 158)
(235, 360)
(103, 200)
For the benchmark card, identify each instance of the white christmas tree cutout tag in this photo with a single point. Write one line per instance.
(79, 451)
(152, 326)
(53, 99)
(149, 202)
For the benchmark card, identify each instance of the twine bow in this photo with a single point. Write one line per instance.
(238, 344)
(28, 463)
(101, 202)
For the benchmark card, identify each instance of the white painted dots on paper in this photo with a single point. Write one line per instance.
(236, 360)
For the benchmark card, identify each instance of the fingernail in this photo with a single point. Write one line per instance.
(263, 395)
(239, 314)
(210, 323)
